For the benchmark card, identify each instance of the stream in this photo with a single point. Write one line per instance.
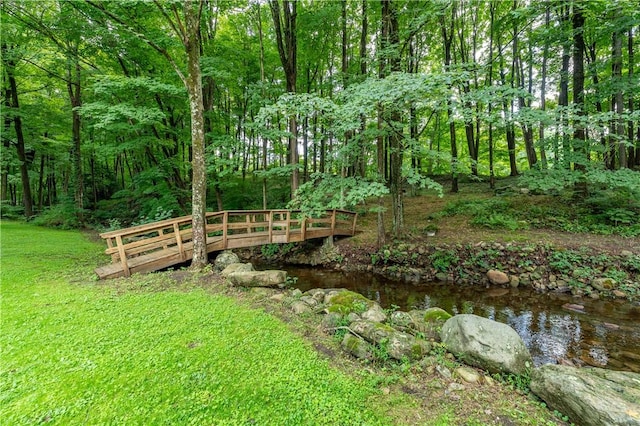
(555, 327)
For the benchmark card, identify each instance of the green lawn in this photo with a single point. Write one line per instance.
(77, 351)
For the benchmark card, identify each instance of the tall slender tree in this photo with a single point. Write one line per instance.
(286, 38)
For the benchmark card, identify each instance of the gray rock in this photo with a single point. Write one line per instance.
(236, 267)
(589, 396)
(454, 387)
(399, 345)
(400, 319)
(357, 347)
(271, 278)
(225, 259)
(278, 297)
(487, 344)
(317, 294)
(428, 325)
(331, 320)
(375, 313)
(299, 307)
(444, 372)
(309, 301)
(353, 317)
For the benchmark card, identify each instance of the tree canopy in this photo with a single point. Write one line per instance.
(124, 112)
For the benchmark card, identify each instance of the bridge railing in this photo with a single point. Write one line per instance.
(168, 242)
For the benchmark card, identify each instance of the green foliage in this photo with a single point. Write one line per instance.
(520, 382)
(443, 260)
(497, 220)
(273, 251)
(611, 204)
(7, 211)
(64, 216)
(564, 261)
(158, 215)
(324, 192)
(270, 251)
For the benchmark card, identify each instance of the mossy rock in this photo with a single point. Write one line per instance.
(436, 315)
(347, 302)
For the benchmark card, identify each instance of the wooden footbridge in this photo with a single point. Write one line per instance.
(168, 242)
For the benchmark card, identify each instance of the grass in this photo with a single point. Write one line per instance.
(77, 351)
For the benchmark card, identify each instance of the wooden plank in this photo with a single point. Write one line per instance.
(176, 231)
(123, 256)
(225, 223)
(142, 229)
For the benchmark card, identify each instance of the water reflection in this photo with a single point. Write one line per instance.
(603, 334)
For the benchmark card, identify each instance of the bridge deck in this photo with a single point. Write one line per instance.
(165, 243)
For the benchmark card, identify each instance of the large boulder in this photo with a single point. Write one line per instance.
(487, 344)
(225, 259)
(589, 396)
(272, 278)
(345, 302)
(398, 345)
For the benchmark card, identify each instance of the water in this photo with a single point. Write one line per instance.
(601, 333)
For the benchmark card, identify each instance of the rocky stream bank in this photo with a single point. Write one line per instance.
(582, 272)
(589, 396)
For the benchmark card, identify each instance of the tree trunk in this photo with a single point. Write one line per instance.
(617, 101)
(199, 177)
(563, 95)
(287, 49)
(579, 136)
(74, 87)
(391, 43)
(492, 12)
(543, 89)
(634, 154)
(362, 163)
(10, 65)
(447, 36)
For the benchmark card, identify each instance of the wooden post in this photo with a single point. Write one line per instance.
(333, 222)
(248, 223)
(288, 225)
(176, 231)
(160, 234)
(114, 256)
(123, 256)
(225, 222)
(353, 229)
(270, 226)
(303, 228)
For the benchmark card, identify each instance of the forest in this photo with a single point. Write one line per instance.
(124, 112)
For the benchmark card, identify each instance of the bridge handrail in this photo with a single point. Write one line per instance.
(176, 233)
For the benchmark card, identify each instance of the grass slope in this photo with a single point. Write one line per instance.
(79, 352)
